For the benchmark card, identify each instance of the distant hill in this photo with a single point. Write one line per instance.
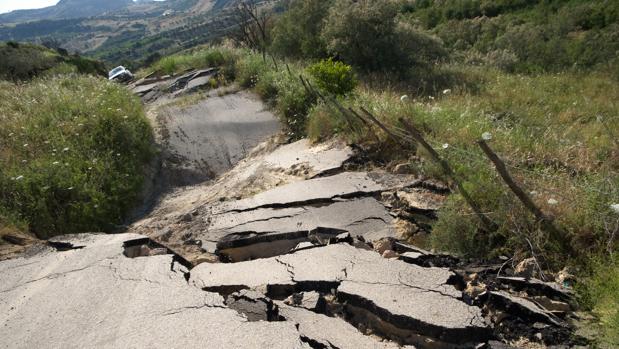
(21, 62)
(123, 31)
(66, 9)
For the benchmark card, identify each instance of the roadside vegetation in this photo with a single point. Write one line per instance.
(72, 154)
(538, 78)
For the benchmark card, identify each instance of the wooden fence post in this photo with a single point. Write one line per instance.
(546, 221)
(488, 224)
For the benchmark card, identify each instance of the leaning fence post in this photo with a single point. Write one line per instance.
(488, 224)
(546, 221)
(390, 134)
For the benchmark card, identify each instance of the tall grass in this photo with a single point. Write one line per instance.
(197, 58)
(72, 151)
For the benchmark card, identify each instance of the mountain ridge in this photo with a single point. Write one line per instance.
(66, 9)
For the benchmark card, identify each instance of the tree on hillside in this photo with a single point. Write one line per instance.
(297, 31)
(252, 24)
(368, 35)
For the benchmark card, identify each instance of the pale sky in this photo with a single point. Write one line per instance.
(10, 5)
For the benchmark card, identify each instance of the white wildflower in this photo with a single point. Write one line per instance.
(447, 91)
(55, 163)
(486, 136)
(26, 145)
(615, 207)
(552, 201)
(125, 117)
(446, 145)
(65, 149)
(70, 188)
(19, 178)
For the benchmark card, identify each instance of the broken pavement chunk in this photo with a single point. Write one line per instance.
(520, 307)
(322, 189)
(254, 234)
(255, 306)
(412, 300)
(322, 331)
(312, 301)
(538, 287)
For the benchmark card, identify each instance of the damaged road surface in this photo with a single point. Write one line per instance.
(253, 242)
(403, 302)
(97, 297)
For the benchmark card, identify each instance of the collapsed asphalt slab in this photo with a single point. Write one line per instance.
(401, 301)
(270, 232)
(331, 332)
(343, 185)
(95, 296)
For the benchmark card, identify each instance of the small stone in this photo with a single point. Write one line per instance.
(383, 245)
(527, 268)
(565, 278)
(539, 325)
(390, 254)
(474, 289)
(187, 217)
(404, 168)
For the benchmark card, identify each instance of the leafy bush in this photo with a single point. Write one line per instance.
(336, 78)
(367, 34)
(72, 152)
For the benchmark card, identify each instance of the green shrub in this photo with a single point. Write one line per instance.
(368, 35)
(249, 69)
(72, 154)
(336, 78)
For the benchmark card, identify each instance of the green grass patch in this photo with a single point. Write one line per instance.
(600, 294)
(196, 58)
(72, 154)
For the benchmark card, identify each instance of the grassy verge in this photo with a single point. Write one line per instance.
(72, 151)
